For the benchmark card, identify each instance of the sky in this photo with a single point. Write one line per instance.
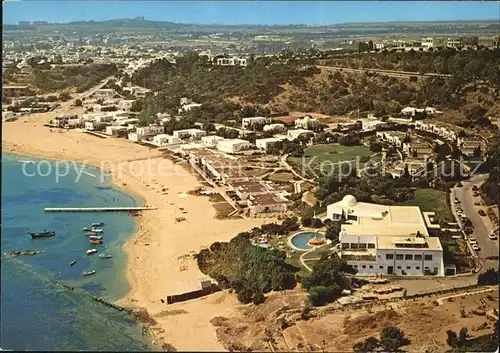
(249, 12)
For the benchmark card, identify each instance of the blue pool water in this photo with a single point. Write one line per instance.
(38, 315)
(300, 240)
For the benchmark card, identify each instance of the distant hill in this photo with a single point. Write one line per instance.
(140, 23)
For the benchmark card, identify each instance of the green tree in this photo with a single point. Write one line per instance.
(392, 338)
(368, 345)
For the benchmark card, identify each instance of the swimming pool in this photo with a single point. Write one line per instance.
(300, 240)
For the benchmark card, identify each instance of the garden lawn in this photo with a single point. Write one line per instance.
(432, 200)
(326, 155)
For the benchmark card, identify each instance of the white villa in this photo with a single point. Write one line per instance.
(211, 140)
(306, 123)
(294, 134)
(233, 145)
(267, 143)
(390, 240)
(195, 134)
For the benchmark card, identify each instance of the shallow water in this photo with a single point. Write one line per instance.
(36, 314)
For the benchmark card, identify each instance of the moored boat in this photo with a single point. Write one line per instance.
(97, 224)
(105, 256)
(44, 234)
(90, 233)
(95, 241)
(88, 273)
(86, 229)
(95, 237)
(91, 251)
(72, 262)
(97, 230)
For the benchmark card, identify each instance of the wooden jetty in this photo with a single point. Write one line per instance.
(97, 209)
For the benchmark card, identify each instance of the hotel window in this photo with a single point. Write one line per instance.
(381, 267)
(345, 246)
(428, 257)
(371, 266)
(355, 266)
(399, 256)
(399, 267)
(364, 266)
(408, 257)
(371, 246)
(417, 257)
(417, 268)
(389, 256)
(362, 245)
(354, 245)
(408, 267)
(352, 217)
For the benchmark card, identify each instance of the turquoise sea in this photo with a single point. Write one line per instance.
(36, 314)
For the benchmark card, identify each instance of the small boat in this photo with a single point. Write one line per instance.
(86, 229)
(105, 256)
(44, 234)
(90, 233)
(95, 241)
(95, 237)
(97, 230)
(72, 262)
(88, 273)
(97, 224)
(91, 251)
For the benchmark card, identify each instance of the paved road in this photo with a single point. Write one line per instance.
(390, 73)
(465, 195)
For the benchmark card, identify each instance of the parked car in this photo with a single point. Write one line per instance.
(459, 185)
(492, 236)
(476, 247)
(482, 213)
(457, 200)
(474, 187)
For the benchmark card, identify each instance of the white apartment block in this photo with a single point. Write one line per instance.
(267, 143)
(306, 123)
(388, 240)
(232, 61)
(195, 134)
(233, 145)
(248, 122)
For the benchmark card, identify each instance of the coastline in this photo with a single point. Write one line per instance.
(159, 253)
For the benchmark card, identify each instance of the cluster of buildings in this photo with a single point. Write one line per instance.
(254, 194)
(392, 240)
(434, 42)
(469, 144)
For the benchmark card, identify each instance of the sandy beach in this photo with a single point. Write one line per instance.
(158, 254)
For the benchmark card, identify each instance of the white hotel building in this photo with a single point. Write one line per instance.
(386, 240)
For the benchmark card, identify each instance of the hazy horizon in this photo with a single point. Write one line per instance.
(314, 13)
